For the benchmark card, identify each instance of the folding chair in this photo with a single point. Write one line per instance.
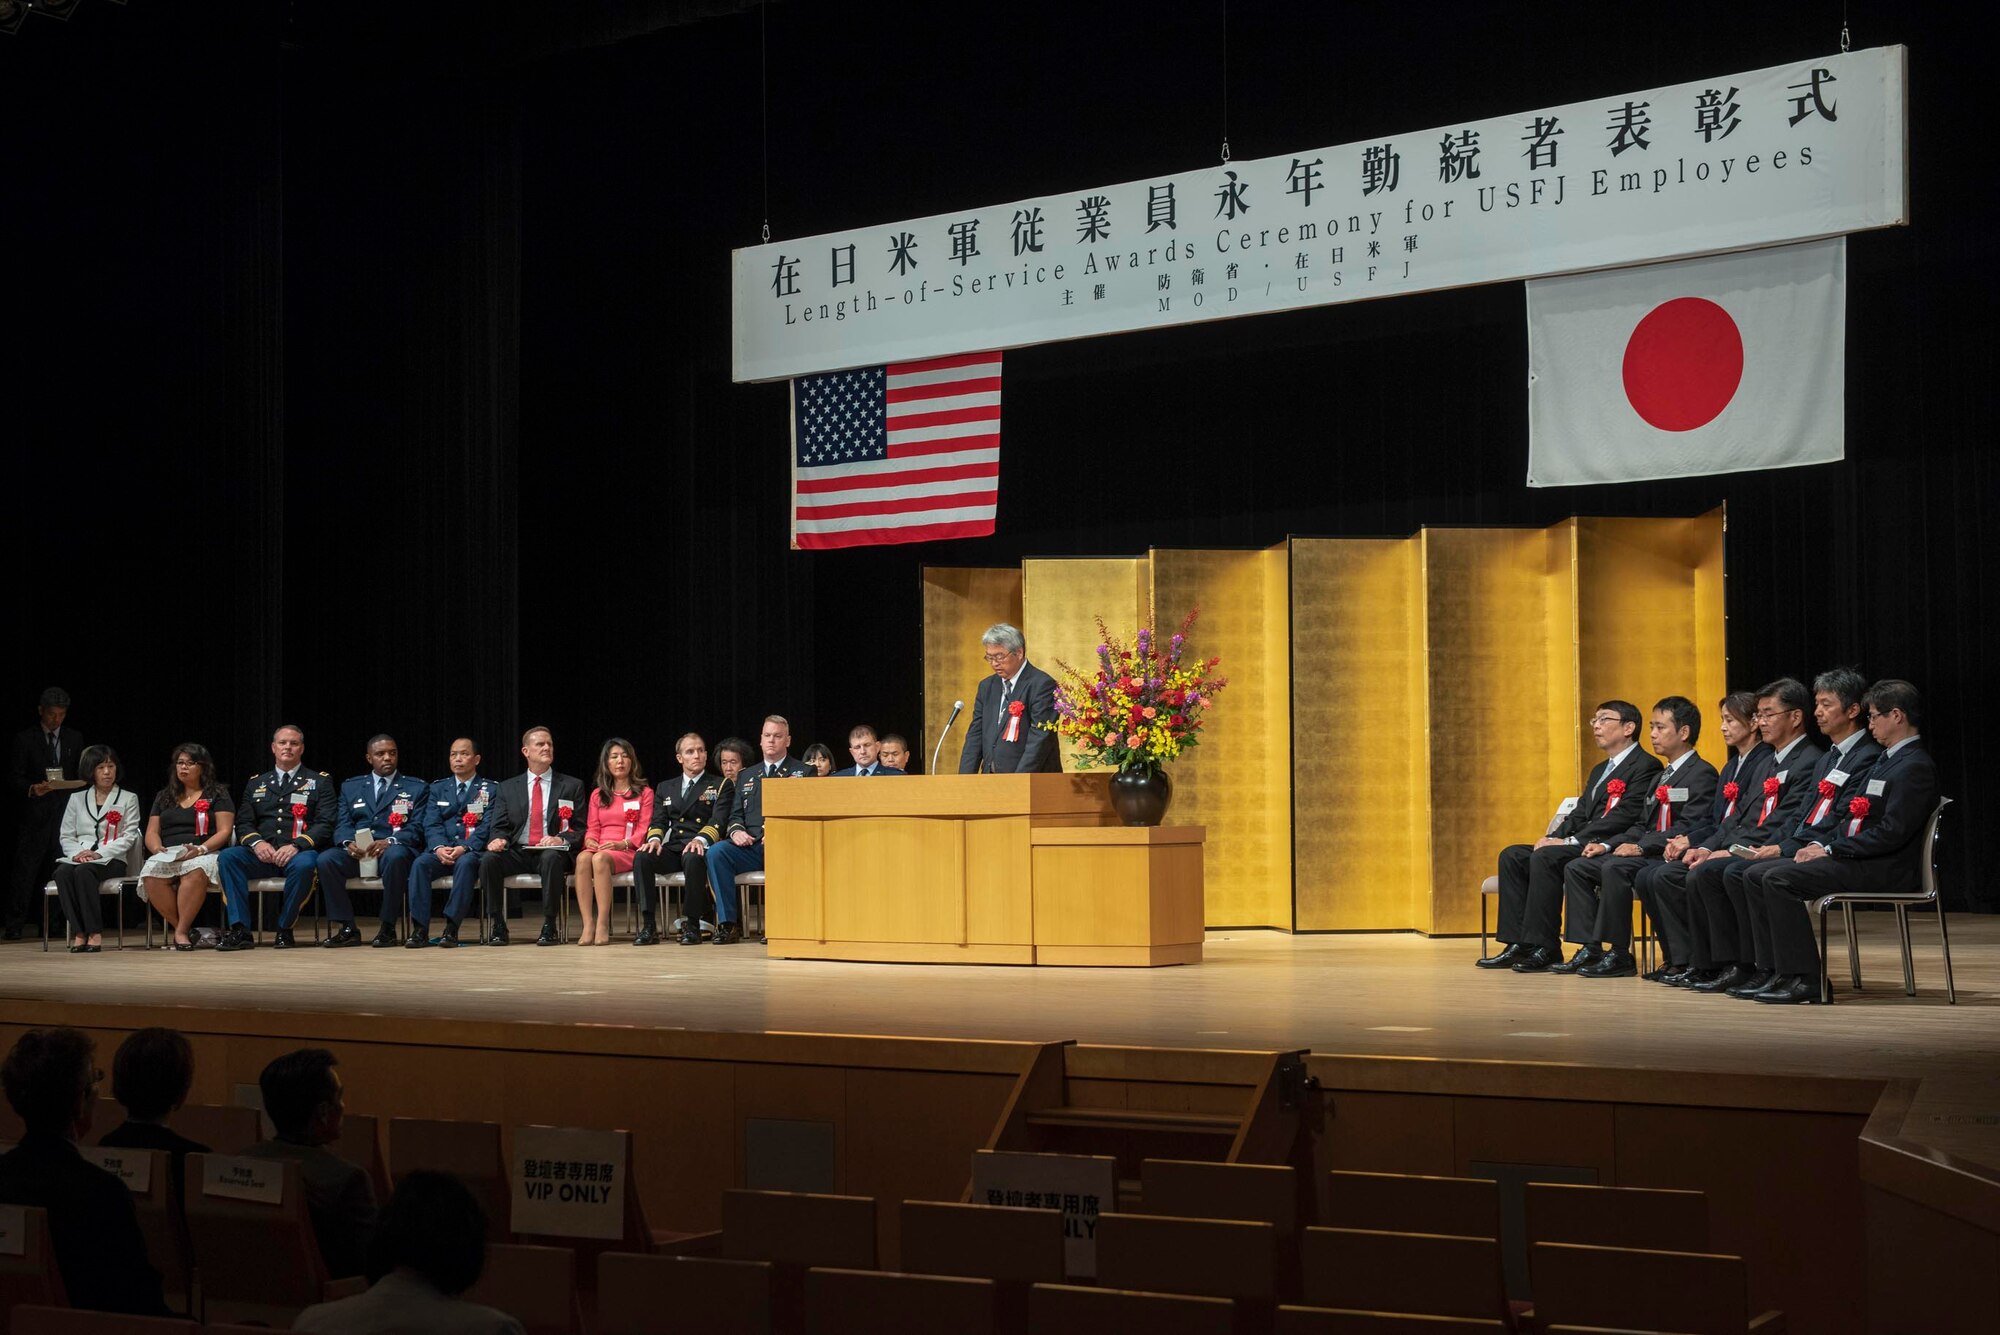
(116, 887)
(750, 887)
(1926, 893)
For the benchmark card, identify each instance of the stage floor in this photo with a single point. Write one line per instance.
(1376, 995)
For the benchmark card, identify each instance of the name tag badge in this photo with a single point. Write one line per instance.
(477, 808)
(1836, 777)
(360, 806)
(1783, 775)
(1877, 787)
(1567, 805)
(444, 804)
(1677, 794)
(401, 806)
(631, 804)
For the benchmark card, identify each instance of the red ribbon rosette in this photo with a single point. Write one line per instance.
(1730, 791)
(1660, 799)
(1857, 811)
(298, 819)
(201, 817)
(471, 822)
(1660, 793)
(1015, 708)
(1826, 788)
(1771, 788)
(112, 819)
(1615, 790)
(563, 810)
(395, 821)
(1827, 791)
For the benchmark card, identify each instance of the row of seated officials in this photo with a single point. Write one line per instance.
(295, 823)
(1726, 862)
(1215, 1246)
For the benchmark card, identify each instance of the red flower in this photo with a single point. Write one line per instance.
(112, 817)
(471, 819)
(298, 810)
(1826, 788)
(201, 804)
(1660, 794)
(1730, 791)
(1771, 786)
(1016, 708)
(395, 820)
(1616, 788)
(1858, 808)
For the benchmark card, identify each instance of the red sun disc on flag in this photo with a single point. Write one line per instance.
(1683, 364)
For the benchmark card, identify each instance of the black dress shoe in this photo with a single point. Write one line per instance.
(1506, 956)
(1585, 955)
(498, 937)
(1791, 990)
(1610, 964)
(419, 940)
(1754, 984)
(548, 936)
(236, 938)
(690, 934)
(727, 934)
(1734, 975)
(349, 935)
(449, 941)
(1536, 959)
(1691, 976)
(12, 933)
(648, 936)
(282, 939)
(384, 939)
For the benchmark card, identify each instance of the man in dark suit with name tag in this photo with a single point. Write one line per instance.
(389, 805)
(453, 846)
(538, 829)
(1876, 845)
(681, 806)
(867, 753)
(742, 846)
(284, 821)
(1006, 735)
(48, 748)
(1837, 710)
(1662, 885)
(1597, 887)
(1531, 876)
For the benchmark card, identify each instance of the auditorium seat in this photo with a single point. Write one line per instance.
(106, 1115)
(255, 1262)
(1464, 1207)
(1690, 1293)
(160, 1223)
(795, 1230)
(1201, 1189)
(869, 1302)
(223, 1127)
(708, 1295)
(28, 1271)
(534, 1285)
(1674, 1221)
(39, 1320)
(1427, 1274)
(1011, 1246)
(1069, 1307)
(469, 1151)
(1346, 1321)
(1214, 1258)
(360, 1144)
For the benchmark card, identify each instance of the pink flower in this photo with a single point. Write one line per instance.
(1111, 739)
(1150, 712)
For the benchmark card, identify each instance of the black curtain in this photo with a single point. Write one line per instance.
(408, 349)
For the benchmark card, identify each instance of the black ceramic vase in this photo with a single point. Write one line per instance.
(1140, 796)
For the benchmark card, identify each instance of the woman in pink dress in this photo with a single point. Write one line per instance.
(621, 807)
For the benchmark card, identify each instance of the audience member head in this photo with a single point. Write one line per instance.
(1004, 648)
(1781, 710)
(193, 771)
(862, 745)
(618, 769)
(538, 748)
(1739, 720)
(1895, 710)
(302, 1096)
(152, 1073)
(692, 751)
(53, 707)
(895, 751)
(1615, 725)
(1676, 726)
(819, 759)
(383, 754)
(50, 1081)
(732, 754)
(464, 758)
(433, 1227)
(1837, 696)
(99, 765)
(775, 738)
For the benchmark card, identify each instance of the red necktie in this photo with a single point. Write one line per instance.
(537, 824)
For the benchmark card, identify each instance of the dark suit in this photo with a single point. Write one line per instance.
(444, 826)
(1034, 748)
(856, 772)
(1598, 891)
(28, 763)
(1662, 886)
(1718, 927)
(726, 860)
(680, 809)
(93, 1227)
(1883, 855)
(362, 808)
(264, 816)
(339, 1198)
(1531, 879)
(1838, 780)
(519, 858)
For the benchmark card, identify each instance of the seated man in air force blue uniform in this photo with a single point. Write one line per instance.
(389, 805)
(452, 844)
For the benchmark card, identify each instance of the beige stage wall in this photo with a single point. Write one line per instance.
(1399, 708)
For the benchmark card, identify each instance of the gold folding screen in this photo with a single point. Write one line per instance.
(1398, 709)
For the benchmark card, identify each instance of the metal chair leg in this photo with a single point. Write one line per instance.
(1909, 966)
(1944, 939)
(1853, 947)
(1825, 974)
(1482, 924)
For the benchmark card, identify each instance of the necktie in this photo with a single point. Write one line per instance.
(461, 792)
(55, 751)
(378, 789)
(537, 826)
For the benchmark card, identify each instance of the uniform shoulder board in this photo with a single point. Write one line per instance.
(324, 775)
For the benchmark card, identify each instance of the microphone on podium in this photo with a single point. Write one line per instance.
(956, 706)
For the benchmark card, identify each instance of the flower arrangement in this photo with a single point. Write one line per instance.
(1143, 705)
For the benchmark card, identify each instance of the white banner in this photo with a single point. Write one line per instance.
(1792, 153)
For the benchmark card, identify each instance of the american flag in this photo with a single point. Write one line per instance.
(901, 453)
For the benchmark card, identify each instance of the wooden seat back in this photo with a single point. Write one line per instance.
(1669, 1221)
(868, 1302)
(287, 1275)
(534, 1285)
(1060, 1307)
(469, 1151)
(1426, 1274)
(1216, 1258)
(709, 1295)
(985, 1241)
(1695, 1293)
(1460, 1207)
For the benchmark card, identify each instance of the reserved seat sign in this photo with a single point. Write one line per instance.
(240, 1178)
(132, 1167)
(569, 1182)
(1082, 1186)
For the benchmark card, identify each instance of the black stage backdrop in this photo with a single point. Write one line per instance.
(369, 366)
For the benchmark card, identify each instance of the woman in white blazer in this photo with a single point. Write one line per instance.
(100, 828)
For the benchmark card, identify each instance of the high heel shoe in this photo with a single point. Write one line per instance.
(180, 945)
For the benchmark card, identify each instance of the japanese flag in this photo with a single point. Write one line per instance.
(1715, 365)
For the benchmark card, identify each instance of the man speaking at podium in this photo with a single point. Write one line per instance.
(1006, 735)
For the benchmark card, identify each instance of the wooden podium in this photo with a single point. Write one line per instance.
(975, 869)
